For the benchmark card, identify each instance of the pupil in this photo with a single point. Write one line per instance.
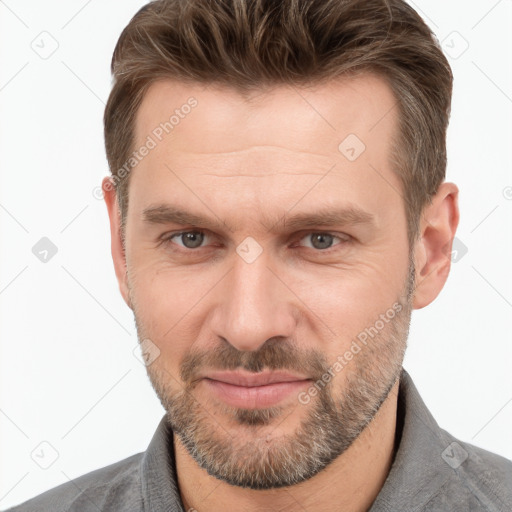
(321, 241)
(192, 239)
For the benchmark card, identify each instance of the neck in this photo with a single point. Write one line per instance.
(350, 483)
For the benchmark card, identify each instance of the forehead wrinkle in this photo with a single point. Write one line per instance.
(253, 148)
(261, 175)
(219, 165)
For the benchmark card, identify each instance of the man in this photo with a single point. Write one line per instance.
(278, 208)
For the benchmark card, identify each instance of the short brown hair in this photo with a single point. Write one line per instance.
(250, 44)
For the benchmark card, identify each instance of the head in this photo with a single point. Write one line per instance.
(276, 204)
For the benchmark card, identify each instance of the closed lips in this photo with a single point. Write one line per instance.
(246, 379)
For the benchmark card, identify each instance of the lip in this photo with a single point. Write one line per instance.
(252, 391)
(247, 379)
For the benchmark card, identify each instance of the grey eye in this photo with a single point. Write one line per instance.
(321, 240)
(191, 239)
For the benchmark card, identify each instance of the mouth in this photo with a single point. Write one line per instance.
(251, 390)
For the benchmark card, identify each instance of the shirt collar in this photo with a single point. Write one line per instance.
(159, 482)
(417, 472)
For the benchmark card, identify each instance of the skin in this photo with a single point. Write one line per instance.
(247, 164)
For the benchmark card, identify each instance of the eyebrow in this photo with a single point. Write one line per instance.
(169, 214)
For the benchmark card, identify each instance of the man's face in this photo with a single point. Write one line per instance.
(257, 290)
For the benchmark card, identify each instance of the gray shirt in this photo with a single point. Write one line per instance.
(432, 471)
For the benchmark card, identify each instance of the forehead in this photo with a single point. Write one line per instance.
(297, 117)
(266, 149)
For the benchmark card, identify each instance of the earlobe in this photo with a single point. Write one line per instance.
(117, 249)
(433, 250)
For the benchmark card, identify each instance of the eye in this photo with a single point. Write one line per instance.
(324, 241)
(320, 241)
(189, 239)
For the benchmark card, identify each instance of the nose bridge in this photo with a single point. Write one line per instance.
(254, 306)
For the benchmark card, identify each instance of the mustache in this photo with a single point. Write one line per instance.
(274, 354)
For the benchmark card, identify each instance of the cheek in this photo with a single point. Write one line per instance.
(345, 300)
(169, 305)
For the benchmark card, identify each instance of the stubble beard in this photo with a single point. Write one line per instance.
(243, 451)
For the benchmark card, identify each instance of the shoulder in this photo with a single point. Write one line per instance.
(434, 471)
(114, 487)
(480, 479)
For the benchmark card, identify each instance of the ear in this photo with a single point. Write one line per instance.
(432, 255)
(118, 253)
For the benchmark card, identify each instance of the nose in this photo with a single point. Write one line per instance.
(253, 306)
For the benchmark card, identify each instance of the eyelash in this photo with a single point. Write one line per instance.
(343, 237)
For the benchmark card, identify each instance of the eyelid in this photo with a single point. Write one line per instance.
(169, 237)
(343, 237)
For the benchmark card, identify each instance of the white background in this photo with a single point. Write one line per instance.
(68, 373)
